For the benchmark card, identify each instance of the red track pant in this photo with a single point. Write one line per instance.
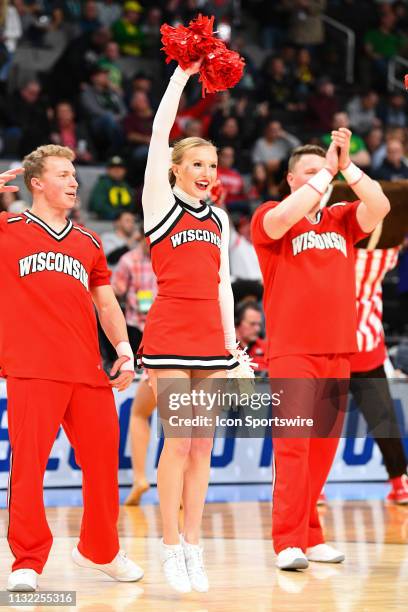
(36, 409)
(301, 465)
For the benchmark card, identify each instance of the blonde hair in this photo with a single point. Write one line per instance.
(181, 147)
(33, 163)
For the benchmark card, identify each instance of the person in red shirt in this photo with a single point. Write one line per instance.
(52, 274)
(306, 255)
(231, 179)
(248, 325)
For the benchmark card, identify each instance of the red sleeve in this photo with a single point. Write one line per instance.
(348, 212)
(100, 273)
(258, 234)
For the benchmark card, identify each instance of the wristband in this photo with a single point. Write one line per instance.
(124, 348)
(352, 173)
(320, 181)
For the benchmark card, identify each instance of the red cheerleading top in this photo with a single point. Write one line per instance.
(185, 252)
(47, 317)
(309, 280)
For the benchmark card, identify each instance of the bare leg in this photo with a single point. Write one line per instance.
(197, 472)
(142, 407)
(173, 460)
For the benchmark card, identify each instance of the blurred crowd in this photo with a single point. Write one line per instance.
(101, 91)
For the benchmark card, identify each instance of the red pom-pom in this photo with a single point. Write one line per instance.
(221, 69)
(188, 45)
(406, 81)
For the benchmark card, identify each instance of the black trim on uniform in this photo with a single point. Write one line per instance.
(217, 220)
(56, 235)
(85, 233)
(168, 215)
(167, 232)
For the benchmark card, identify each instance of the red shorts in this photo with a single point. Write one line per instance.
(184, 333)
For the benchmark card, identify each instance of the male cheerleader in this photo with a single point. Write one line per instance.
(307, 261)
(52, 273)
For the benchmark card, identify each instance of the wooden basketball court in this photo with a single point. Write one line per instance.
(240, 562)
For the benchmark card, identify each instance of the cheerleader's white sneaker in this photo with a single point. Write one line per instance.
(174, 567)
(193, 554)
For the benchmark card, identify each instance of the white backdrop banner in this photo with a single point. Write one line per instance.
(233, 460)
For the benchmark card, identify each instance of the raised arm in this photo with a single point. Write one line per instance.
(374, 204)
(157, 196)
(285, 215)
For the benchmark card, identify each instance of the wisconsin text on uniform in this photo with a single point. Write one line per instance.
(192, 235)
(54, 262)
(312, 240)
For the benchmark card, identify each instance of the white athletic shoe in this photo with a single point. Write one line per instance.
(323, 553)
(121, 568)
(22, 580)
(292, 559)
(174, 567)
(193, 554)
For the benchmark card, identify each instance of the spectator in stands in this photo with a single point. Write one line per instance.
(262, 187)
(109, 61)
(27, 115)
(193, 128)
(229, 136)
(394, 166)
(10, 201)
(112, 193)
(277, 87)
(303, 73)
(104, 110)
(382, 44)
(248, 327)
(138, 124)
(322, 105)
(362, 112)
(126, 31)
(199, 110)
(12, 27)
(124, 237)
(306, 27)
(394, 112)
(90, 18)
(109, 11)
(234, 195)
(134, 283)
(67, 132)
(376, 147)
(73, 68)
(11, 34)
(274, 147)
(151, 32)
(358, 150)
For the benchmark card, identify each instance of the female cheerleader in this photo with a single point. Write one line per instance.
(190, 327)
